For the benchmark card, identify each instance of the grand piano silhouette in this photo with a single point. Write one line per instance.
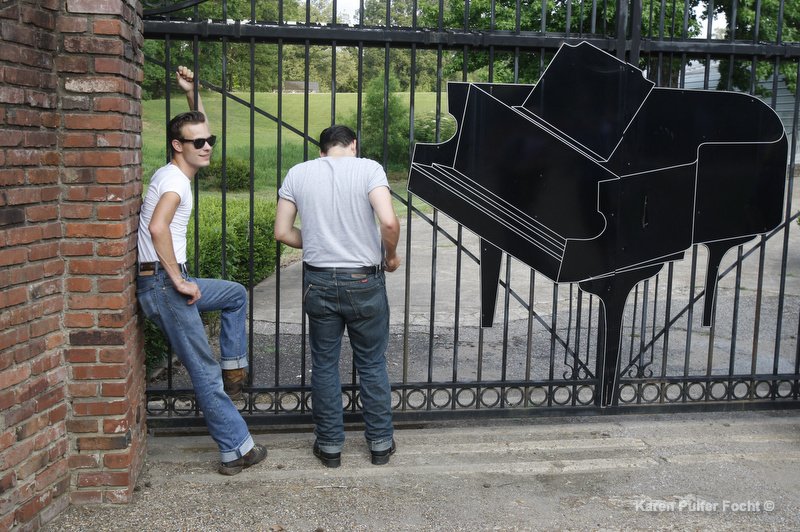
(595, 176)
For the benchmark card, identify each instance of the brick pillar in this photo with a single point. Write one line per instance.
(34, 475)
(99, 70)
(71, 357)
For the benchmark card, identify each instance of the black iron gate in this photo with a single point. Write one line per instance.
(265, 67)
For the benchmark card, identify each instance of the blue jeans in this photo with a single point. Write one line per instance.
(357, 301)
(183, 327)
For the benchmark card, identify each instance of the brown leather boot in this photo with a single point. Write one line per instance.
(233, 381)
(256, 454)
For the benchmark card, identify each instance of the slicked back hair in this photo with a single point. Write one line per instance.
(336, 135)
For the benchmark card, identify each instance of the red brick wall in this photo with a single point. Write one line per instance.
(71, 360)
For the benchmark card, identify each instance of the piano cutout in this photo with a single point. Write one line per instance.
(595, 176)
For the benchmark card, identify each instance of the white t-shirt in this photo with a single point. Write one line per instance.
(168, 178)
(332, 199)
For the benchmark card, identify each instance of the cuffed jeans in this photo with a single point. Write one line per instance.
(183, 327)
(358, 302)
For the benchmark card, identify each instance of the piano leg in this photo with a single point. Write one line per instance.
(491, 256)
(613, 291)
(716, 250)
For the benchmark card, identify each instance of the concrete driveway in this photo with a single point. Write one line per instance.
(708, 471)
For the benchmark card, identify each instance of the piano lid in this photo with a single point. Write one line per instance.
(590, 96)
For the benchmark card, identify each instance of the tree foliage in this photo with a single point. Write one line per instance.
(397, 127)
(429, 68)
(746, 75)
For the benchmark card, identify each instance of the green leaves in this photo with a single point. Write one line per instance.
(237, 241)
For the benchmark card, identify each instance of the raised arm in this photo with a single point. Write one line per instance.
(185, 79)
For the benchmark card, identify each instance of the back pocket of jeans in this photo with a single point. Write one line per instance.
(315, 300)
(368, 301)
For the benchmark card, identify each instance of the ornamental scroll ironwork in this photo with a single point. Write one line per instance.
(593, 175)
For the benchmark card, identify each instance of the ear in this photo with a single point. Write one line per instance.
(177, 146)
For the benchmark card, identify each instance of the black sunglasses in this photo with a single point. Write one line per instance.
(199, 143)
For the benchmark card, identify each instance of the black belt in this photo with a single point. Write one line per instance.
(155, 266)
(337, 269)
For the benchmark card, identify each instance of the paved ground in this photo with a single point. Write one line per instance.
(713, 471)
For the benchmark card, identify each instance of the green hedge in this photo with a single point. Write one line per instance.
(237, 239)
(237, 175)
(425, 128)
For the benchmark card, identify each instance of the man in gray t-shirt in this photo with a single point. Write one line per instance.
(345, 254)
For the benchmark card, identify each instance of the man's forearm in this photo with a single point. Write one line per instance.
(162, 242)
(390, 235)
(190, 101)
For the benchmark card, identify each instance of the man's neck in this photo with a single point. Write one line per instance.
(340, 151)
(187, 169)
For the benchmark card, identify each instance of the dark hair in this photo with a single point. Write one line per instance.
(176, 124)
(335, 135)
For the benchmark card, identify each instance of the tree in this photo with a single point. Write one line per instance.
(526, 67)
(425, 62)
(372, 138)
(346, 69)
(743, 28)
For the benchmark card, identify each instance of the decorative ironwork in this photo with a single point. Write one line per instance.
(709, 390)
(411, 398)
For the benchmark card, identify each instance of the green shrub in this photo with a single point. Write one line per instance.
(237, 175)
(237, 244)
(425, 127)
(372, 129)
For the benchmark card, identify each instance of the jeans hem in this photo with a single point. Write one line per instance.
(380, 445)
(233, 363)
(329, 447)
(235, 454)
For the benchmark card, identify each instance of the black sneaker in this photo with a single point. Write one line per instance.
(327, 459)
(254, 456)
(382, 457)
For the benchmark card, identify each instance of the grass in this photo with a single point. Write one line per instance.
(235, 139)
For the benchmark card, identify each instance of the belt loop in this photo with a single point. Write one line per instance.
(156, 265)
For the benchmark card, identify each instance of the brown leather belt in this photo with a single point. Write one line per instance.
(151, 268)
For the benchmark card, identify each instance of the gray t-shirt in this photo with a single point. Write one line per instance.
(332, 199)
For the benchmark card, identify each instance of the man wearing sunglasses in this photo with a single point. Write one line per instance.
(174, 301)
